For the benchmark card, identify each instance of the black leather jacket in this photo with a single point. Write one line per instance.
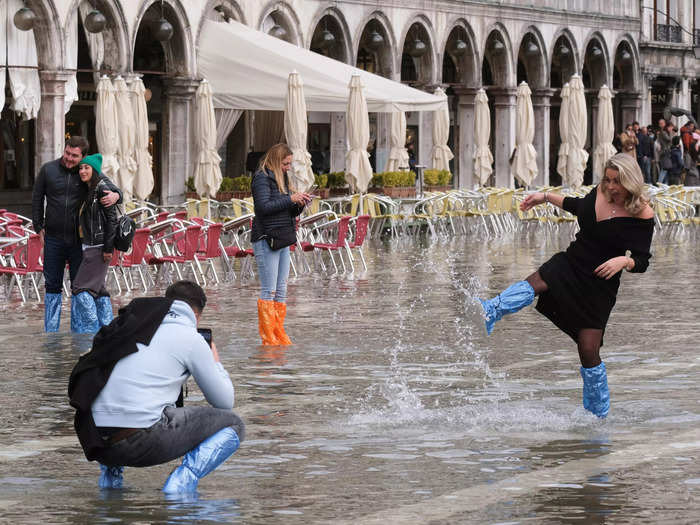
(274, 210)
(98, 224)
(64, 193)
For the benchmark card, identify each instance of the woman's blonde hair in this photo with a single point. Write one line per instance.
(273, 161)
(631, 179)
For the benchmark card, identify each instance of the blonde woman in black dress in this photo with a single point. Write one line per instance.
(577, 288)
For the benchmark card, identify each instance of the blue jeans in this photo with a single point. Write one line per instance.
(645, 165)
(273, 269)
(56, 254)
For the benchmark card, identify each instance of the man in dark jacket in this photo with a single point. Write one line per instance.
(59, 188)
(645, 152)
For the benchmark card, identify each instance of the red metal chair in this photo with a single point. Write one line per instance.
(343, 225)
(361, 227)
(212, 250)
(25, 261)
(135, 257)
(184, 253)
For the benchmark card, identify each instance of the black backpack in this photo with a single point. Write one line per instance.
(126, 226)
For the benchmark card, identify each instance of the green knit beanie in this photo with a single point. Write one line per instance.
(95, 161)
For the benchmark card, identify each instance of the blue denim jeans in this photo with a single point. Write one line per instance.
(663, 176)
(273, 269)
(177, 432)
(56, 254)
(645, 165)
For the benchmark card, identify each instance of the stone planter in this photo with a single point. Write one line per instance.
(437, 188)
(223, 196)
(191, 195)
(240, 195)
(338, 192)
(400, 192)
(323, 193)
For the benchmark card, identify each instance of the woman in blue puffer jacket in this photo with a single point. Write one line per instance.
(273, 232)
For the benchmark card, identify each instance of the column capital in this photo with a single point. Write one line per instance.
(53, 83)
(497, 91)
(465, 95)
(542, 97)
(180, 87)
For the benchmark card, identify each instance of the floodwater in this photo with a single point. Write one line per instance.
(394, 407)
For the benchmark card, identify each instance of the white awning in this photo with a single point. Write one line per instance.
(248, 69)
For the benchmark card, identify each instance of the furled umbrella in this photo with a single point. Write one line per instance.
(604, 132)
(578, 129)
(398, 156)
(358, 170)
(483, 159)
(143, 182)
(207, 173)
(524, 165)
(106, 129)
(295, 129)
(441, 154)
(563, 156)
(126, 155)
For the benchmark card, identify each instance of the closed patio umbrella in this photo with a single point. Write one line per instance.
(578, 129)
(127, 138)
(483, 159)
(525, 160)
(295, 129)
(207, 173)
(563, 156)
(398, 156)
(441, 154)
(106, 129)
(604, 132)
(358, 170)
(143, 181)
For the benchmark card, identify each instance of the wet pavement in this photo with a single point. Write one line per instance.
(394, 407)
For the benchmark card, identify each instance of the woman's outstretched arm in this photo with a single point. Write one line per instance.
(539, 197)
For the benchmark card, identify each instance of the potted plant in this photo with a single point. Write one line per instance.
(190, 190)
(225, 192)
(399, 184)
(437, 180)
(376, 185)
(321, 180)
(337, 183)
(241, 187)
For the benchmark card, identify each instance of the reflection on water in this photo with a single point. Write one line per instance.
(393, 406)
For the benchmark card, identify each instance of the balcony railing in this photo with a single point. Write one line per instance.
(668, 33)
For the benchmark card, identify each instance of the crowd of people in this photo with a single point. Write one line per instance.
(664, 153)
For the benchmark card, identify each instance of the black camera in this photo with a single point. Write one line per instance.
(206, 334)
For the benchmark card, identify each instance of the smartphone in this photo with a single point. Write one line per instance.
(206, 334)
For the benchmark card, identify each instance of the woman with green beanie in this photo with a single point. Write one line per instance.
(90, 305)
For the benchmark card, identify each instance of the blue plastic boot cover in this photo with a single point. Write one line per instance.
(596, 395)
(52, 311)
(111, 477)
(104, 310)
(201, 460)
(83, 314)
(510, 300)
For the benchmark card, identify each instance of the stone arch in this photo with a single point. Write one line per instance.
(226, 8)
(532, 58)
(497, 62)
(596, 59)
(47, 34)
(282, 14)
(626, 68)
(419, 27)
(467, 63)
(384, 57)
(179, 50)
(115, 33)
(343, 49)
(562, 64)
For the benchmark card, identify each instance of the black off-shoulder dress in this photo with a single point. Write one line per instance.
(576, 298)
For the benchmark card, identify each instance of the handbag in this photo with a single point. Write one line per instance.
(666, 161)
(126, 227)
(279, 238)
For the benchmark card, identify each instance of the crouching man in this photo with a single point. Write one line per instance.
(127, 387)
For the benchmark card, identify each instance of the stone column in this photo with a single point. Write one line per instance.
(465, 114)
(177, 143)
(382, 140)
(503, 133)
(50, 126)
(541, 104)
(629, 107)
(684, 100)
(425, 139)
(339, 143)
(645, 110)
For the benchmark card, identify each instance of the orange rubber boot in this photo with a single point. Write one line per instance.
(267, 320)
(282, 339)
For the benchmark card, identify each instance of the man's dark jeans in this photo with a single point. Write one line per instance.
(56, 254)
(177, 432)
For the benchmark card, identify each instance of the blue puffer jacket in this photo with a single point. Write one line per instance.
(274, 210)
